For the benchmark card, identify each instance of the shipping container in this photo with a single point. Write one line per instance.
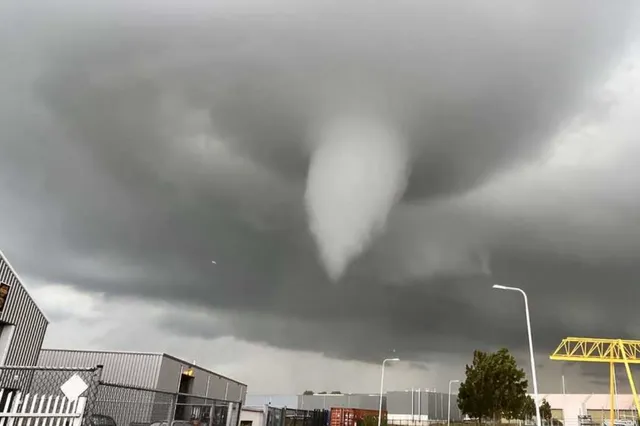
(353, 416)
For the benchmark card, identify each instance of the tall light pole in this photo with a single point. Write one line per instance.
(382, 387)
(533, 361)
(449, 403)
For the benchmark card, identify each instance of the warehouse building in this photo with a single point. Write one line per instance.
(157, 371)
(156, 378)
(22, 323)
(568, 407)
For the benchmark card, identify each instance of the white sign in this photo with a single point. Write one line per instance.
(74, 387)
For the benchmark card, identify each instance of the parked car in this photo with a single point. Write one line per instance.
(173, 423)
(101, 420)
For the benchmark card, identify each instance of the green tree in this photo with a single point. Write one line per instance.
(545, 411)
(307, 392)
(336, 393)
(322, 393)
(525, 409)
(494, 387)
(474, 395)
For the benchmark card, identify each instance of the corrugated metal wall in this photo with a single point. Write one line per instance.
(204, 383)
(353, 400)
(21, 311)
(126, 368)
(145, 370)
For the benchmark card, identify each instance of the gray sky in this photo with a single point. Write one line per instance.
(360, 175)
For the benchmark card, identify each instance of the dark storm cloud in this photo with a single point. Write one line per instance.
(139, 147)
(503, 77)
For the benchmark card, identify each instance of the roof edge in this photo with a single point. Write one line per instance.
(159, 354)
(21, 281)
(175, 358)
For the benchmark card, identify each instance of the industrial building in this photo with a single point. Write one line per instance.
(567, 407)
(156, 376)
(254, 416)
(130, 386)
(156, 371)
(319, 401)
(363, 401)
(22, 323)
(419, 407)
(409, 405)
(278, 401)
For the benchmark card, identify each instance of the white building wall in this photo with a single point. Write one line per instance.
(256, 416)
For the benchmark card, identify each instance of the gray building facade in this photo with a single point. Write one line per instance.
(363, 401)
(277, 401)
(155, 371)
(156, 379)
(22, 323)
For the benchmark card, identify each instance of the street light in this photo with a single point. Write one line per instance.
(382, 386)
(533, 361)
(449, 404)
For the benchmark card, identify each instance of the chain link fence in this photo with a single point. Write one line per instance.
(135, 406)
(43, 383)
(110, 404)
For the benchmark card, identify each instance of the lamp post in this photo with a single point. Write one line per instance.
(382, 387)
(449, 403)
(533, 361)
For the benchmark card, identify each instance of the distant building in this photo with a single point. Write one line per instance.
(253, 416)
(419, 407)
(567, 407)
(319, 401)
(277, 401)
(347, 400)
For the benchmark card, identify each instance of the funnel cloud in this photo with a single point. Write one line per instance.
(358, 171)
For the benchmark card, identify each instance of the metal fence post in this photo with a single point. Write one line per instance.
(172, 409)
(92, 394)
(212, 413)
(239, 413)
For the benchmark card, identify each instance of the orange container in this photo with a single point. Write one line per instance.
(350, 416)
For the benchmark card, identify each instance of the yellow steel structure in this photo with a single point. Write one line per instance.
(611, 351)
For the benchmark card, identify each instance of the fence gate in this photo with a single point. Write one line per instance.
(18, 409)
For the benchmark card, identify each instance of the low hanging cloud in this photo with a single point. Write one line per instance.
(401, 151)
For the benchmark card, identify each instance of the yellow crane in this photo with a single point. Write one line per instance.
(611, 351)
